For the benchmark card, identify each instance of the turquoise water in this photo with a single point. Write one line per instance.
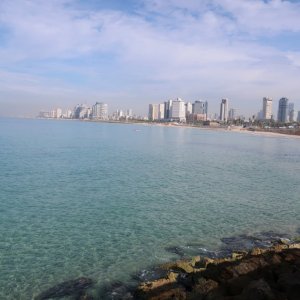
(105, 200)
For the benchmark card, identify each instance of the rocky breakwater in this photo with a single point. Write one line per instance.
(272, 273)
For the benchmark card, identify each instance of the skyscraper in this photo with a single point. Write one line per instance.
(298, 118)
(200, 108)
(232, 115)
(224, 110)
(267, 108)
(178, 110)
(100, 111)
(153, 112)
(291, 112)
(161, 111)
(168, 108)
(283, 110)
(81, 111)
(188, 109)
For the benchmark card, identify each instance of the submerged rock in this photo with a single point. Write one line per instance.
(74, 287)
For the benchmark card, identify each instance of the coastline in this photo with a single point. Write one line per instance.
(270, 269)
(253, 131)
(271, 273)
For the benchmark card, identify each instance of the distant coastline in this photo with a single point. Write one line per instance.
(270, 132)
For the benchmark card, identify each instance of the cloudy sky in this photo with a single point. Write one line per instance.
(129, 53)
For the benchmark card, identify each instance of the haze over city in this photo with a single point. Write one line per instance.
(131, 53)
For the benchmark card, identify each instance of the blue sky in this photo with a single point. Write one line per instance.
(59, 53)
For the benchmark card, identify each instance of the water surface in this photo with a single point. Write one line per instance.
(106, 200)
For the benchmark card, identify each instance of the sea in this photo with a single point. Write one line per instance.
(111, 201)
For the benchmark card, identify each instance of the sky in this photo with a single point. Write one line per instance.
(129, 53)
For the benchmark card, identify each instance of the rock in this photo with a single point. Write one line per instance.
(68, 288)
(258, 290)
(288, 281)
(272, 273)
(284, 241)
(294, 246)
(195, 260)
(179, 266)
(172, 277)
(204, 286)
(279, 247)
(247, 266)
(257, 251)
(176, 250)
(238, 255)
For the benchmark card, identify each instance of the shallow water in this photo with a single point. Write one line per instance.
(107, 200)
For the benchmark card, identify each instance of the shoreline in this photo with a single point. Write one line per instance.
(287, 133)
(233, 269)
(261, 273)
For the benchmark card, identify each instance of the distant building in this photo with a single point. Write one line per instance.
(44, 114)
(224, 110)
(188, 109)
(298, 118)
(81, 111)
(129, 113)
(267, 108)
(153, 112)
(200, 108)
(283, 110)
(161, 111)
(232, 114)
(168, 108)
(68, 114)
(178, 110)
(100, 111)
(291, 112)
(260, 115)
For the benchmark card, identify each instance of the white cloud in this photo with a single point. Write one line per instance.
(197, 48)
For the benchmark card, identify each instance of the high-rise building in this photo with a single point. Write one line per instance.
(100, 111)
(188, 109)
(232, 114)
(161, 111)
(168, 108)
(153, 112)
(283, 110)
(200, 108)
(178, 110)
(224, 110)
(81, 111)
(267, 108)
(291, 112)
(298, 118)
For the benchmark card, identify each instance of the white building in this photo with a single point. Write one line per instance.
(178, 110)
(58, 113)
(81, 111)
(100, 111)
(153, 112)
(267, 108)
(224, 110)
(161, 111)
(68, 114)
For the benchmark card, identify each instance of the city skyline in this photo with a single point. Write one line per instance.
(140, 52)
(179, 110)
